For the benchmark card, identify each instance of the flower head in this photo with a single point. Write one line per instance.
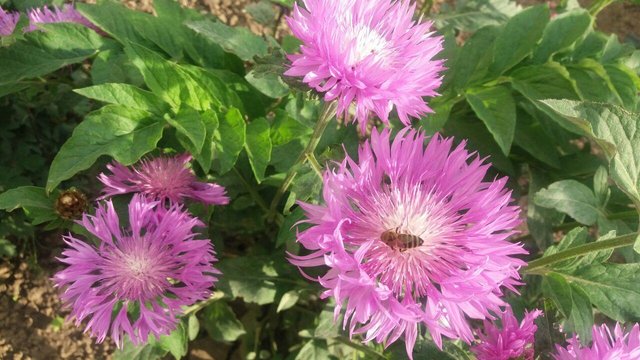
(510, 340)
(412, 235)
(161, 178)
(66, 14)
(8, 21)
(605, 346)
(138, 278)
(367, 52)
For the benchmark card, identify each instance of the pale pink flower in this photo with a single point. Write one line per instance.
(509, 340)
(137, 279)
(620, 345)
(66, 14)
(8, 21)
(412, 236)
(161, 178)
(368, 52)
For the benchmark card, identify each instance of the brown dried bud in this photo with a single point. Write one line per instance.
(71, 204)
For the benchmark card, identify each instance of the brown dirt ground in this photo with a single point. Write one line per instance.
(29, 306)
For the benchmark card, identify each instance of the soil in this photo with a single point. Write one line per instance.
(32, 325)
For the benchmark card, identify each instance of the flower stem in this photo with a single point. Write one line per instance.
(538, 266)
(215, 296)
(598, 6)
(325, 117)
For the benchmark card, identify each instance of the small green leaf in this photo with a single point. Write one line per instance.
(126, 95)
(175, 343)
(519, 37)
(230, 139)
(123, 133)
(236, 40)
(205, 157)
(560, 291)
(270, 84)
(26, 197)
(221, 322)
(193, 327)
(289, 299)
(572, 198)
(562, 32)
(258, 146)
(497, 109)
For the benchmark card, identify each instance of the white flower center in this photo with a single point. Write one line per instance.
(362, 42)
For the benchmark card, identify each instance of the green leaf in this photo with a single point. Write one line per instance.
(148, 351)
(531, 136)
(572, 198)
(560, 291)
(34, 200)
(230, 139)
(518, 38)
(205, 157)
(562, 32)
(547, 81)
(221, 322)
(613, 288)
(262, 12)
(175, 343)
(270, 84)
(126, 95)
(470, 16)
(581, 313)
(116, 20)
(236, 40)
(497, 109)
(189, 123)
(616, 131)
(258, 146)
(285, 128)
(593, 82)
(601, 186)
(42, 52)
(251, 278)
(193, 327)
(625, 82)
(474, 58)
(314, 349)
(122, 133)
(288, 300)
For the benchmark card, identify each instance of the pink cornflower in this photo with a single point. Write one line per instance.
(8, 21)
(161, 178)
(67, 14)
(367, 52)
(605, 346)
(137, 279)
(510, 340)
(412, 235)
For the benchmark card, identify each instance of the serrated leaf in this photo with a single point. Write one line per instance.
(519, 37)
(562, 32)
(270, 84)
(221, 322)
(236, 40)
(258, 146)
(262, 12)
(288, 300)
(616, 131)
(122, 133)
(42, 52)
(126, 95)
(572, 198)
(230, 139)
(497, 109)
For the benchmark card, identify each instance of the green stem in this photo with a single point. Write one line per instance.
(365, 349)
(598, 5)
(327, 114)
(315, 164)
(215, 296)
(252, 191)
(537, 266)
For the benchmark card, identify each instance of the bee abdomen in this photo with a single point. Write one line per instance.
(400, 241)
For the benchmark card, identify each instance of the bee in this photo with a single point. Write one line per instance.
(399, 241)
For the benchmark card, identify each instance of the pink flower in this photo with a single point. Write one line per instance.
(412, 235)
(367, 52)
(8, 21)
(605, 346)
(67, 14)
(137, 279)
(161, 178)
(510, 340)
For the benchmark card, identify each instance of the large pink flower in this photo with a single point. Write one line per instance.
(605, 346)
(161, 178)
(412, 235)
(367, 52)
(66, 14)
(510, 340)
(8, 21)
(138, 278)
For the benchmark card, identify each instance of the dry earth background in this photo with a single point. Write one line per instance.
(32, 326)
